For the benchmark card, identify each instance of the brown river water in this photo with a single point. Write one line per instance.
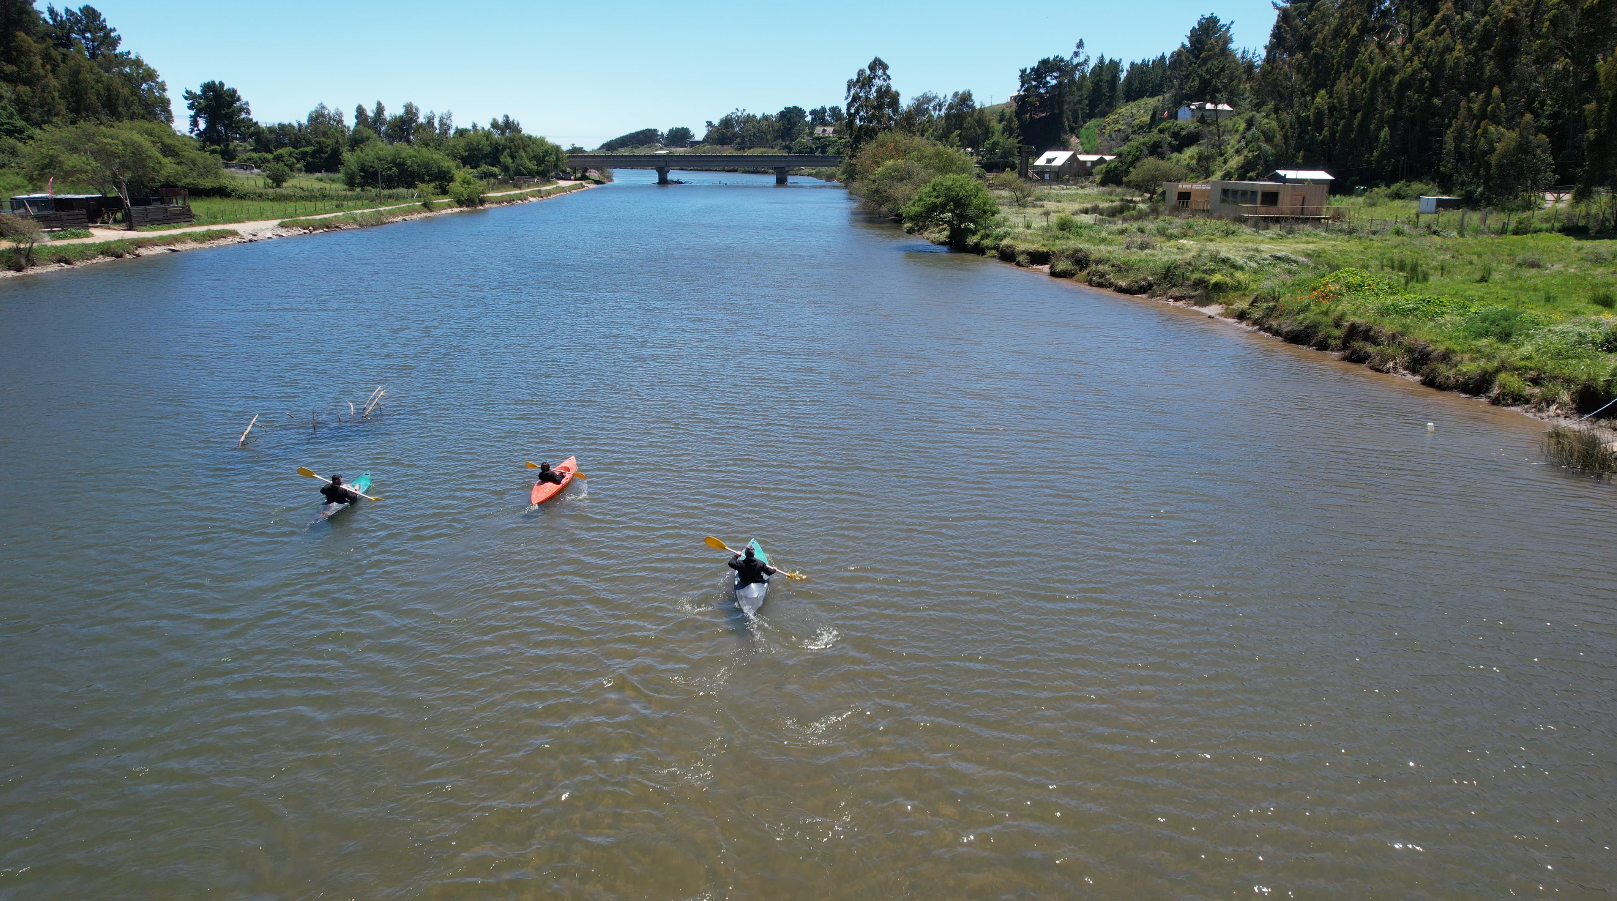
(1107, 599)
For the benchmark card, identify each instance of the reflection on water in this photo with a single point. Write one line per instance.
(1105, 597)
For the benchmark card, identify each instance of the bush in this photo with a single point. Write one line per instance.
(23, 233)
(466, 190)
(1148, 175)
(958, 204)
(1602, 297)
(396, 166)
(889, 171)
(278, 174)
(1020, 189)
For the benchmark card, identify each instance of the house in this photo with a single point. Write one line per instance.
(825, 131)
(1089, 162)
(1054, 165)
(1202, 109)
(1061, 165)
(1293, 193)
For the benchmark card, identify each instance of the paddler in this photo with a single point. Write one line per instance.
(546, 474)
(338, 493)
(749, 569)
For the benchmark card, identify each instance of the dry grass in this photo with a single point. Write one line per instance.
(1582, 449)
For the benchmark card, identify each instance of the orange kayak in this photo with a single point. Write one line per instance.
(544, 491)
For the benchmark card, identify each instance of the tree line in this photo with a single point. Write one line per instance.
(77, 107)
(1491, 99)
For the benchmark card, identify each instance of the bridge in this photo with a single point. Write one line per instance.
(662, 162)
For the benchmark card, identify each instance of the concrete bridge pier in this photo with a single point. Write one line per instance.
(780, 175)
(662, 175)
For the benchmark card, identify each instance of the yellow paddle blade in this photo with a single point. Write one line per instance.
(715, 544)
(791, 575)
(580, 475)
(306, 471)
(531, 465)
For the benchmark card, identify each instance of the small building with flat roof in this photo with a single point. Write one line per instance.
(1295, 198)
(1438, 204)
(1303, 176)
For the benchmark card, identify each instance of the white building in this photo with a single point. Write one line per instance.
(1202, 109)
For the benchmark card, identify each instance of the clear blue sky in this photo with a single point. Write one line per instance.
(589, 71)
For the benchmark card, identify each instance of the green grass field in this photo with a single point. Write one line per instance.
(1521, 318)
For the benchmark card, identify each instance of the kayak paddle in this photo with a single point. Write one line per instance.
(718, 545)
(306, 471)
(531, 465)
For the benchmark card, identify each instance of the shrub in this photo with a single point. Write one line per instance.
(278, 173)
(466, 190)
(396, 166)
(1020, 189)
(1602, 297)
(958, 204)
(1148, 175)
(890, 170)
(23, 233)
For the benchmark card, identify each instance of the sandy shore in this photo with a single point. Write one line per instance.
(250, 232)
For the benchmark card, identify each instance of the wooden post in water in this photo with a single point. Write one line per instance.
(246, 430)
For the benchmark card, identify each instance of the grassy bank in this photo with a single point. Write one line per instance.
(45, 254)
(1519, 318)
(369, 218)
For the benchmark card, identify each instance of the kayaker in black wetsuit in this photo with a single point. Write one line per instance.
(750, 570)
(546, 474)
(338, 493)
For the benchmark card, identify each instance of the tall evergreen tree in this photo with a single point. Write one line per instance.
(219, 117)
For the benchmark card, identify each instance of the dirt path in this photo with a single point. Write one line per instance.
(263, 228)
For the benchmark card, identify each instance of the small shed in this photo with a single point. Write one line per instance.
(65, 210)
(1202, 109)
(825, 131)
(1437, 204)
(1056, 165)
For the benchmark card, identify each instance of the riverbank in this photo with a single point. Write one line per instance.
(105, 245)
(1523, 320)
(1294, 304)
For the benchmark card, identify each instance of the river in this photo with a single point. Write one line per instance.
(1106, 598)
